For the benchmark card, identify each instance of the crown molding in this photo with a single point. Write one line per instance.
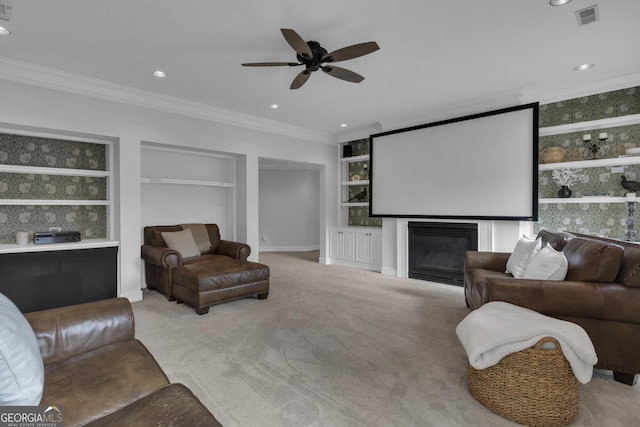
(36, 75)
(609, 85)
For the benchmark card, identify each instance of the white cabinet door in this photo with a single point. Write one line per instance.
(369, 247)
(375, 248)
(348, 250)
(363, 247)
(341, 244)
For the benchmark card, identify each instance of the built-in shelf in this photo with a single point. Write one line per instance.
(38, 170)
(603, 199)
(46, 202)
(581, 164)
(84, 244)
(354, 159)
(361, 182)
(631, 119)
(185, 182)
(355, 204)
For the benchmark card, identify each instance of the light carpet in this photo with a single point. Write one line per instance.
(337, 346)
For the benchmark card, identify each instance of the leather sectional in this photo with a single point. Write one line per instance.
(100, 375)
(601, 293)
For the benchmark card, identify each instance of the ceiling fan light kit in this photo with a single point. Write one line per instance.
(313, 57)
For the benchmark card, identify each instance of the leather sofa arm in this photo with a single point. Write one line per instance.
(161, 256)
(65, 332)
(494, 261)
(567, 299)
(235, 250)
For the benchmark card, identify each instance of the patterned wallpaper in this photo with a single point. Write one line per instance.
(606, 219)
(21, 150)
(359, 215)
(595, 107)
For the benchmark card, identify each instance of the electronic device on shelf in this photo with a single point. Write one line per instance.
(46, 237)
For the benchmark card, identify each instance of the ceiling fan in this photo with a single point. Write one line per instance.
(313, 56)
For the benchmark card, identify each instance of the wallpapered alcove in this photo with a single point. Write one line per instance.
(20, 185)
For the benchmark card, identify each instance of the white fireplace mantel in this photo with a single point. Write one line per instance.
(493, 236)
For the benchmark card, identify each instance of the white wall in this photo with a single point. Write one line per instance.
(39, 108)
(289, 209)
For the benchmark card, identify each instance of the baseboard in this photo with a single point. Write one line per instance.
(133, 296)
(389, 271)
(354, 264)
(288, 248)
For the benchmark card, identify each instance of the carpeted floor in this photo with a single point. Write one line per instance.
(336, 346)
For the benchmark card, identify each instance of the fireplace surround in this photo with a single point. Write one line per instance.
(436, 250)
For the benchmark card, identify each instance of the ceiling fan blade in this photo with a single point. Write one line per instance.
(270, 64)
(296, 42)
(300, 79)
(351, 52)
(343, 74)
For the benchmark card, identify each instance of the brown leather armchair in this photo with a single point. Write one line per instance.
(160, 260)
(219, 274)
(601, 293)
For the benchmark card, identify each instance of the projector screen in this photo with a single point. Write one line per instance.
(482, 166)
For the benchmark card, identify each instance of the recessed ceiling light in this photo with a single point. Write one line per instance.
(274, 106)
(4, 31)
(343, 125)
(159, 73)
(583, 67)
(558, 2)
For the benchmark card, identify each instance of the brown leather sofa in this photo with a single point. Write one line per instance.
(601, 293)
(101, 375)
(218, 275)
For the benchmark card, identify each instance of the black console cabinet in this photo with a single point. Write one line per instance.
(48, 279)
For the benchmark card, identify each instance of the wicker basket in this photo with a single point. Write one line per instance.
(534, 387)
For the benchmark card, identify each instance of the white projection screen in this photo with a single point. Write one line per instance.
(482, 166)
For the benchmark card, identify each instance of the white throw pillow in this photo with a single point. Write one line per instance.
(183, 242)
(547, 264)
(522, 254)
(21, 367)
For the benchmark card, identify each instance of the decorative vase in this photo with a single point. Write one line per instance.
(564, 192)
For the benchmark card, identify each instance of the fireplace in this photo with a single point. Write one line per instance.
(436, 250)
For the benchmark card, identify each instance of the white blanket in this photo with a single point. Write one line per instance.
(498, 328)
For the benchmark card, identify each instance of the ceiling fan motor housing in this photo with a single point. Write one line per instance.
(314, 63)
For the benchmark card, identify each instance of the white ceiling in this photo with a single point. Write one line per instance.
(433, 57)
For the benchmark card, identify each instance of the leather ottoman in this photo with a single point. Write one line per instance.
(203, 285)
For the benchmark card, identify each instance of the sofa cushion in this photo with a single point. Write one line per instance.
(96, 383)
(21, 366)
(547, 264)
(183, 242)
(592, 260)
(557, 239)
(173, 405)
(522, 254)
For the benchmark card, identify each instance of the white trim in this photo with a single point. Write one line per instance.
(585, 200)
(84, 244)
(386, 271)
(354, 264)
(23, 72)
(46, 202)
(185, 182)
(132, 296)
(289, 248)
(39, 170)
(595, 88)
(631, 119)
